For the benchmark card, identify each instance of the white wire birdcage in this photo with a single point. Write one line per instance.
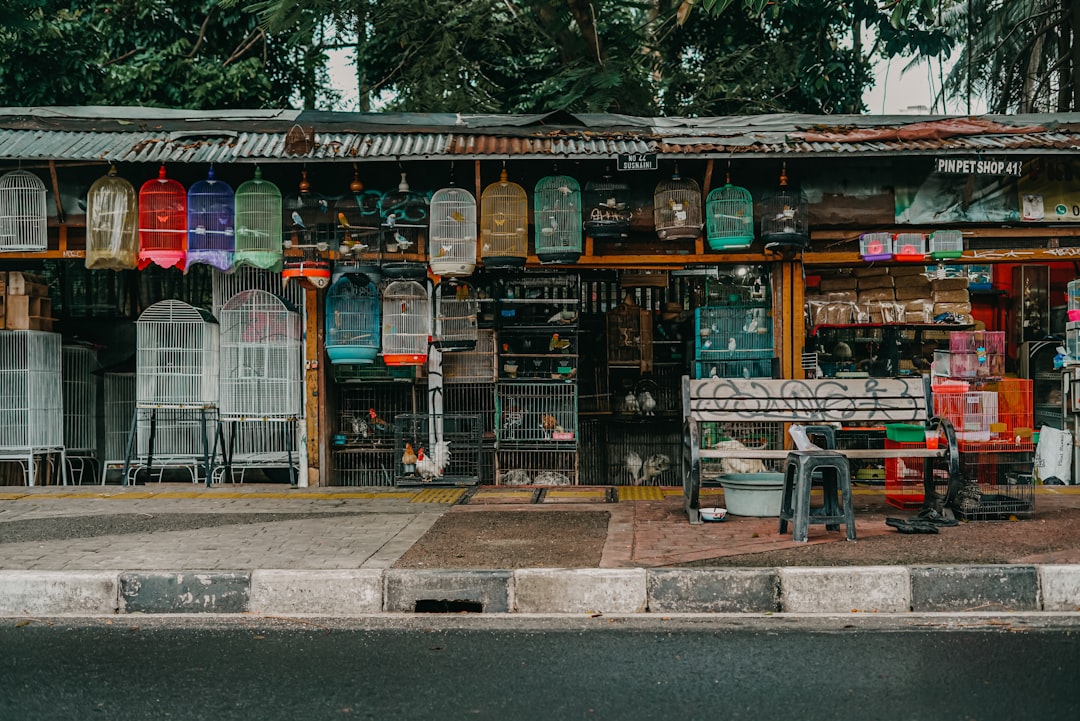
(23, 221)
(406, 323)
(729, 218)
(456, 311)
(80, 399)
(785, 217)
(261, 352)
(210, 211)
(353, 312)
(176, 356)
(677, 208)
(119, 402)
(226, 285)
(452, 235)
(112, 224)
(504, 224)
(258, 224)
(607, 208)
(162, 223)
(557, 218)
(31, 402)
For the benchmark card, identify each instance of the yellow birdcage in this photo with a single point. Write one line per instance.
(677, 208)
(504, 224)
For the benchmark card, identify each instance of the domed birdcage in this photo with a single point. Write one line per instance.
(112, 224)
(677, 208)
(452, 234)
(504, 224)
(176, 356)
(456, 311)
(211, 207)
(162, 223)
(23, 221)
(358, 222)
(557, 217)
(258, 224)
(785, 218)
(607, 208)
(729, 217)
(353, 312)
(406, 323)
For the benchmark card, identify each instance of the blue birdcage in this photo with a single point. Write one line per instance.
(557, 218)
(353, 320)
(259, 231)
(211, 209)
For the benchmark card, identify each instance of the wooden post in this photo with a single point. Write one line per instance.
(314, 384)
(699, 242)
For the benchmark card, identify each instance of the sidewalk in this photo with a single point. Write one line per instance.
(268, 549)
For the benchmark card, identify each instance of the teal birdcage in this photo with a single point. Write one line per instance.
(112, 224)
(211, 208)
(557, 218)
(729, 217)
(258, 224)
(23, 223)
(353, 312)
(504, 224)
(677, 208)
(452, 233)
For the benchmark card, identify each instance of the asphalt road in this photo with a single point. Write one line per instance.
(627, 669)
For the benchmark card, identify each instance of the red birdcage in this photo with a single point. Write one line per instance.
(162, 223)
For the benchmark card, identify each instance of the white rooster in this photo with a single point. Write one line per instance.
(431, 467)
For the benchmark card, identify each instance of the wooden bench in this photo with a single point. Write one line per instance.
(847, 401)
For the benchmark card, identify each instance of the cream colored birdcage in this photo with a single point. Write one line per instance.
(259, 232)
(557, 218)
(406, 323)
(452, 233)
(23, 221)
(112, 224)
(677, 208)
(504, 224)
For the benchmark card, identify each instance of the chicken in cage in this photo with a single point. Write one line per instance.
(211, 207)
(162, 223)
(259, 228)
(23, 221)
(441, 449)
(112, 223)
(504, 224)
(536, 414)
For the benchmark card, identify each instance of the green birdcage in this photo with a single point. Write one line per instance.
(557, 217)
(729, 217)
(258, 224)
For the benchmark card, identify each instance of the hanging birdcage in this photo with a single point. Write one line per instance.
(176, 356)
(404, 214)
(785, 218)
(557, 217)
(629, 336)
(31, 405)
(353, 312)
(210, 208)
(112, 224)
(258, 224)
(452, 236)
(729, 217)
(677, 208)
(261, 353)
(23, 222)
(504, 224)
(456, 309)
(162, 223)
(406, 323)
(607, 208)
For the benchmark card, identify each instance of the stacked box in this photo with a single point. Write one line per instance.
(950, 295)
(27, 305)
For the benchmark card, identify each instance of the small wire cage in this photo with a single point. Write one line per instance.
(734, 437)
(643, 455)
(23, 220)
(909, 247)
(733, 332)
(353, 316)
(504, 224)
(998, 417)
(473, 398)
(261, 352)
(946, 244)
(176, 356)
(476, 365)
(259, 233)
(536, 467)
(557, 218)
(607, 208)
(211, 206)
(112, 224)
(629, 336)
(677, 208)
(875, 246)
(119, 402)
(406, 323)
(997, 486)
(456, 311)
(363, 440)
(162, 223)
(536, 415)
(729, 218)
(785, 217)
(441, 450)
(80, 399)
(452, 234)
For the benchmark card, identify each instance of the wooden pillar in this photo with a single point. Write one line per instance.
(789, 294)
(314, 390)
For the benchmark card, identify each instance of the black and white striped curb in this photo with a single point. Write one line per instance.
(884, 589)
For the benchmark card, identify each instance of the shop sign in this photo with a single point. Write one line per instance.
(978, 166)
(636, 161)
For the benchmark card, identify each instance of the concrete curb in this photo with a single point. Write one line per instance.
(884, 589)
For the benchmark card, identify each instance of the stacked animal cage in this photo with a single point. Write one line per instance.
(176, 397)
(118, 401)
(536, 395)
(80, 411)
(363, 438)
(261, 378)
(733, 333)
(31, 404)
(437, 450)
(763, 435)
(469, 388)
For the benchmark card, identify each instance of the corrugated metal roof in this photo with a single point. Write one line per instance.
(153, 135)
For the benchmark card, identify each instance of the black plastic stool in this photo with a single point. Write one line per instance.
(801, 469)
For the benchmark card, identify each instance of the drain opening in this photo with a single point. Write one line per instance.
(431, 605)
